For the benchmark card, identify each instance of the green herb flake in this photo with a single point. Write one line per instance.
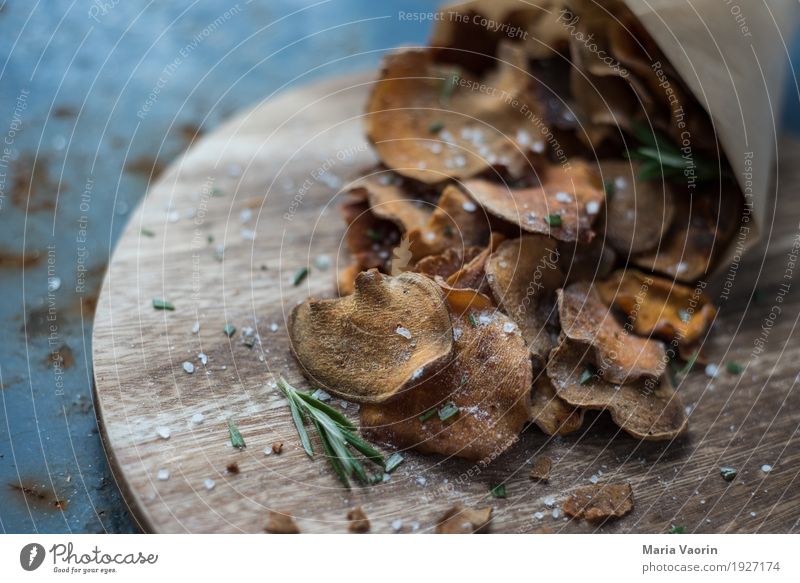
(216, 192)
(587, 374)
(160, 304)
(229, 330)
(553, 220)
(472, 320)
(498, 491)
(394, 460)
(249, 341)
(728, 473)
(734, 367)
(677, 530)
(300, 275)
(210, 239)
(609, 188)
(448, 411)
(436, 127)
(237, 440)
(374, 236)
(448, 231)
(448, 86)
(427, 415)
(147, 232)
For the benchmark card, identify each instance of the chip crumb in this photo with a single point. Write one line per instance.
(464, 520)
(359, 523)
(281, 523)
(232, 468)
(277, 447)
(598, 503)
(540, 472)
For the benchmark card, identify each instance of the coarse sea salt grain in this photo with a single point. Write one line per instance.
(766, 468)
(563, 197)
(469, 206)
(538, 515)
(538, 147)
(549, 501)
(196, 328)
(197, 418)
(203, 358)
(209, 483)
(404, 332)
(421, 481)
(397, 525)
(509, 327)
(594, 479)
(163, 432)
(592, 207)
(712, 370)
(188, 367)
(556, 513)
(163, 475)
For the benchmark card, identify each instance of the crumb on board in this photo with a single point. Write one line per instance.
(540, 472)
(281, 523)
(359, 523)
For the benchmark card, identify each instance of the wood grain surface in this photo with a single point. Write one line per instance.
(265, 186)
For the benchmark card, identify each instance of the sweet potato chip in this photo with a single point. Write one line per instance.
(521, 273)
(346, 279)
(638, 212)
(473, 274)
(464, 520)
(433, 122)
(552, 414)
(620, 356)
(599, 502)
(587, 261)
(389, 200)
(647, 409)
(369, 239)
(474, 407)
(462, 300)
(659, 307)
(446, 264)
(701, 229)
(387, 336)
(564, 206)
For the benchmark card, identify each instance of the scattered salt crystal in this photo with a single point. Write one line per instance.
(53, 283)
(321, 395)
(620, 182)
(322, 261)
(712, 370)
(484, 319)
(766, 468)
(681, 267)
(196, 328)
(414, 525)
(245, 215)
(538, 147)
(753, 514)
(563, 197)
(592, 207)
(594, 479)
(386, 477)
(173, 216)
(248, 234)
(549, 501)
(203, 358)
(344, 404)
(421, 481)
(163, 432)
(188, 367)
(273, 327)
(197, 418)
(469, 206)
(397, 525)
(209, 484)
(538, 515)
(556, 513)
(404, 332)
(523, 138)
(163, 475)
(234, 170)
(457, 333)
(417, 374)
(509, 327)
(268, 450)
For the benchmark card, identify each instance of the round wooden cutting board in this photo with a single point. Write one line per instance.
(222, 234)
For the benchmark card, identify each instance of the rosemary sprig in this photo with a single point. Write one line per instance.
(662, 158)
(336, 433)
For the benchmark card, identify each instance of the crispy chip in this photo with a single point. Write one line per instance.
(474, 407)
(599, 502)
(447, 263)
(462, 300)
(346, 279)
(699, 232)
(564, 206)
(431, 122)
(369, 238)
(621, 356)
(587, 261)
(473, 274)
(359, 523)
(552, 414)
(385, 337)
(522, 273)
(659, 307)
(638, 212)
(540, 472)
(281, 523)
(647, 409)
(464, 520)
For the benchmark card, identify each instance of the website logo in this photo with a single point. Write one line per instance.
(31, 556)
